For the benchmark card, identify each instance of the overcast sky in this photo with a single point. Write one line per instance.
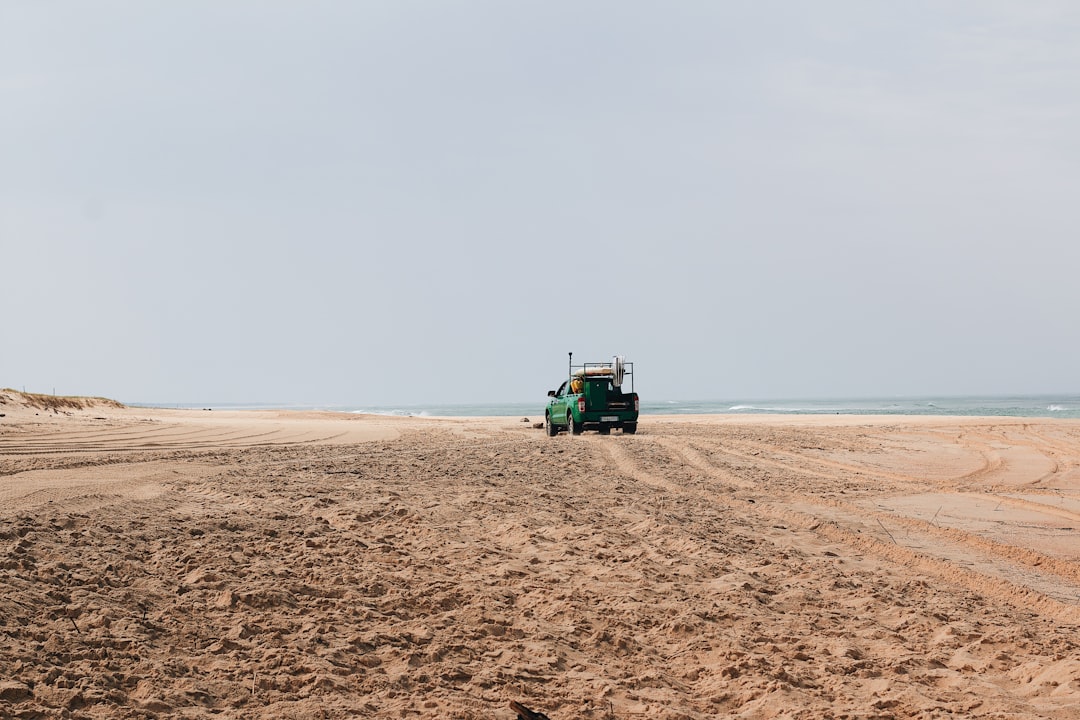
(431, 202)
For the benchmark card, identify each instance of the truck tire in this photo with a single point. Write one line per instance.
(549, 426)
(605, 430)
(629, 428)
(572, 426)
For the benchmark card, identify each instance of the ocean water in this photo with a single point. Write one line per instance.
(1062, 406)
(1059, 406)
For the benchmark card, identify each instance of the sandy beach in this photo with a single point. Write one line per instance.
(185, 563)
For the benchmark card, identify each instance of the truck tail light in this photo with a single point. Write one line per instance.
(635, 403)
(581, 404)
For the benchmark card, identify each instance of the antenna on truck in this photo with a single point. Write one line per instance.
(571, 369)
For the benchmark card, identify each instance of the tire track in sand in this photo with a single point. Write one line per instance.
(85, 487)
(821, 520)
(1065, 569)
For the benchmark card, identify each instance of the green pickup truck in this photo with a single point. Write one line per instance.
(593, 398)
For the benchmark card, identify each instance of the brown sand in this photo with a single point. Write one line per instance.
(264, 565)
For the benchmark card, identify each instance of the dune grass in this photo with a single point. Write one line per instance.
(40, 401)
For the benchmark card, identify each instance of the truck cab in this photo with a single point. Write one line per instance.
(593, 397)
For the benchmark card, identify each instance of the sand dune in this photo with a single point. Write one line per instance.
(263, 565)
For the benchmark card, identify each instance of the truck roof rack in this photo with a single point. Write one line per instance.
(618, 369)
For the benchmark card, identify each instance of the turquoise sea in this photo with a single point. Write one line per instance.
(1059, 406)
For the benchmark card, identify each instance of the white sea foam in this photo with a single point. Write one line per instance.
(1019, 406)
(773, 409)
(392, 413)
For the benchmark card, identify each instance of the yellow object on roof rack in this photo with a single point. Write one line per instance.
(593, 372)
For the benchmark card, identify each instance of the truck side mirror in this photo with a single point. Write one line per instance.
(551, 393)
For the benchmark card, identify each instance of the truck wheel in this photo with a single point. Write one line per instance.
(605, 430)
(549, 426)
(572, 426)
(629, 428)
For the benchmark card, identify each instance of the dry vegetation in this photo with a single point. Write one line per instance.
(56, 403)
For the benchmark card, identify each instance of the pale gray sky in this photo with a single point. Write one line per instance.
(429, 202)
